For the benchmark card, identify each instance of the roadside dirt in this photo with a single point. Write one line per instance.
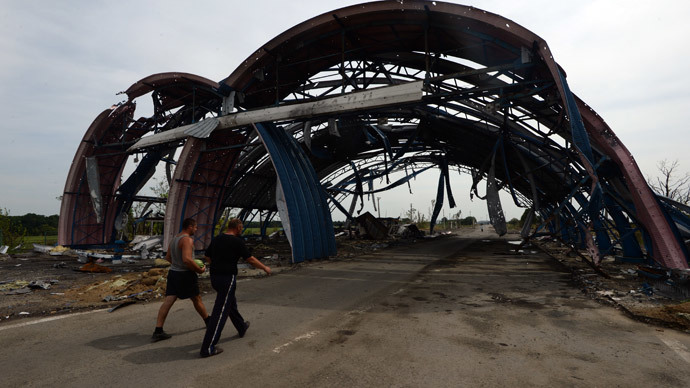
(142, 281)
(652, 301)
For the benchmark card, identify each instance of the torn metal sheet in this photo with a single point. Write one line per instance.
(590, 244)
(202, 129)
(94, 181)
(281, 204)
(525, 231)
(333, 127)
(493, 201)
(148, 243)
(373, 227)
(307, 134)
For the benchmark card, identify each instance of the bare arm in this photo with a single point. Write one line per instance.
(187, 247)
(257, 264)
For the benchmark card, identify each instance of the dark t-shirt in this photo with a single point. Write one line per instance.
(225, 250)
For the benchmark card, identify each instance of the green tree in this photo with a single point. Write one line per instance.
(468, 221)
(12, 231)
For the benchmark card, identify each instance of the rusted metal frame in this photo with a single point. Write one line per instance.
(391, 186)
(625, 211)
(337, 204)
(232, 147)
(488, 38)
(570, 196)
(220, 200)
(352, 179)
(335, 84)
(603, 242)
(563, 162)
(354, 50)
(76, 222)
(160, 113)
(190, 193)
(561, 152)
(364, 162)
(351, 80)
(615, 235)
(477, 112)
(425, 25)
(268, 184)
(109, 176)
(470, 93)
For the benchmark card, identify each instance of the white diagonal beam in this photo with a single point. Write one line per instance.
(366, 99)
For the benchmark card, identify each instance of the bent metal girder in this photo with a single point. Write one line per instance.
(363, 92)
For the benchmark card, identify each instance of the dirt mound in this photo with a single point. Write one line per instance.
(141, 286)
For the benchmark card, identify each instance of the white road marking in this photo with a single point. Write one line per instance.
(48, 319)
(296, 339)
(679, 348)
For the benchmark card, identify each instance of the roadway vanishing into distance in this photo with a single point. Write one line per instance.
(449, 312)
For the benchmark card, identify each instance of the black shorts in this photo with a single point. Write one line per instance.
(183, 284)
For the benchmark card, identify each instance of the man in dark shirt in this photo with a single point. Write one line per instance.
(223, 253)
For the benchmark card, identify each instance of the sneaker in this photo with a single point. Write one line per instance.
(216, 350)
(246, 327)
(160, 336)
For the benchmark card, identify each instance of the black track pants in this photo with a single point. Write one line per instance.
(225, 305)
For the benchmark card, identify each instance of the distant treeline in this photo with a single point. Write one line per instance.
(36, 225)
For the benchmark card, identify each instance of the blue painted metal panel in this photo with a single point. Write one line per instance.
(603, 240)
(630, 246)
(310, 220)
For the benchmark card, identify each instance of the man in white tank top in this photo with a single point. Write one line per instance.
(183, 281)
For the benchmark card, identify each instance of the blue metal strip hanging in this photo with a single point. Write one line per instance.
(305, 200)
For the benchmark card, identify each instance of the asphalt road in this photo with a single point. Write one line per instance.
(450, 312)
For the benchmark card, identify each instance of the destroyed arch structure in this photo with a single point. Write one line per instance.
(335, 104)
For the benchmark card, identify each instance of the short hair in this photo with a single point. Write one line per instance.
(234, 223)
(188, 223)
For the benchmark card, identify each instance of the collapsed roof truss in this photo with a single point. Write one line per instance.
(493, 102)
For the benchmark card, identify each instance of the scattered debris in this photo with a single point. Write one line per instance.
(58, 250)
(148, 242)
(41, 284)
(123, 304)
(42, 248)
(372, 226)
(17, 284)
(409, 231)
(3, 249)
(93, 267)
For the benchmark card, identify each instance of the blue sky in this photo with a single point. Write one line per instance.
(63, 63)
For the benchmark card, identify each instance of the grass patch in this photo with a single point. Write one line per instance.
(250, 231)
(27, 245)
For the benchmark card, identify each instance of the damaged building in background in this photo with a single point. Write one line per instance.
(316, 119)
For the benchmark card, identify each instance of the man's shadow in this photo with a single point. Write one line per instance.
(153, 355)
